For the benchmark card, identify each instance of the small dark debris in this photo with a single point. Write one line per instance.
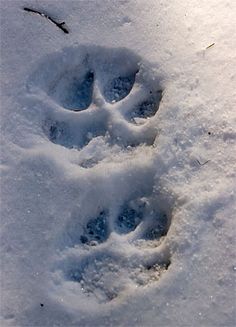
(202, 164)
(211, 45)
(41, 305)
(209, 133)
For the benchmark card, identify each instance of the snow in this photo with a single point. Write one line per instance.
(118, 156)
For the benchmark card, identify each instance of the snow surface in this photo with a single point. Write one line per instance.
(118, 156)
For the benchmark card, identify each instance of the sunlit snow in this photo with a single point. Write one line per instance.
(118, 163)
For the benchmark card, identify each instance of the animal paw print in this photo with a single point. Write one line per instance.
(95, 93)
(110, 253)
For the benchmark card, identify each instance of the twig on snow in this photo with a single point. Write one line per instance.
(211, 45)
(59, 25)
(202, 164)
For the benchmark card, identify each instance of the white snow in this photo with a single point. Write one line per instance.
(118, 163)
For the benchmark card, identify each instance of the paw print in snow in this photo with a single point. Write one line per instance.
(96, 92)
(111, 252)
